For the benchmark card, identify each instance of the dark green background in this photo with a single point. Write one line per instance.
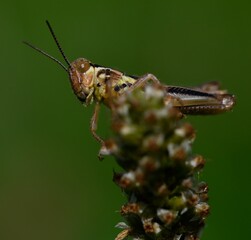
(52, 185)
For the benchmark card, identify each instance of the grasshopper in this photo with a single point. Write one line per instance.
(94, 83)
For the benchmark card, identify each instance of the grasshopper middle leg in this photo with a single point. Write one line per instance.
(141, 81)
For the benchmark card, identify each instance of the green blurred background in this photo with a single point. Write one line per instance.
(52, 185)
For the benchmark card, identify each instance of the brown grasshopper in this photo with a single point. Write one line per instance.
(94, 83)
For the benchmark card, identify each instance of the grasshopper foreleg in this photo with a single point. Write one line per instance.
(93, 125)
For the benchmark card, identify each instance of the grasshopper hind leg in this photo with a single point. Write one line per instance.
(197, 102)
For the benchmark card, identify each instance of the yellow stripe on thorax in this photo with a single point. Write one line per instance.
(107, 89)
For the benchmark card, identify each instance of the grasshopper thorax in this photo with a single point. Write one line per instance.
(81, 73)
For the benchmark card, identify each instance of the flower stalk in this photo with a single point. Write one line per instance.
(152, 144)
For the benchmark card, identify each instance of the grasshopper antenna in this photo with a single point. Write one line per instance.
(47, 55)
(56, 41)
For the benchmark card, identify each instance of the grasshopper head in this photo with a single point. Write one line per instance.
(82, 77)
(81, 71)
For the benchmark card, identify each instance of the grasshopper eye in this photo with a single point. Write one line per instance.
(83, 66)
